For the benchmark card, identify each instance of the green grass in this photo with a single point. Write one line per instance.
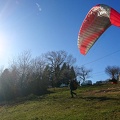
(91, 103)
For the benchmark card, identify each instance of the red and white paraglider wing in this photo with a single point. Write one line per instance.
(115, 17)
(98, 19)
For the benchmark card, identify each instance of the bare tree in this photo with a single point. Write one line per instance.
(112, 71)
(24, 61)
(55, 60)
(38, 65)
(84, 73)
(20, 68)
(70, 60)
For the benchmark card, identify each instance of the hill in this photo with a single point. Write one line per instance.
(92, 103)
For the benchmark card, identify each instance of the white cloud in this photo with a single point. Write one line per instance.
(39, 8)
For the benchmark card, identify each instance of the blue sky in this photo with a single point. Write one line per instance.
(53, 25)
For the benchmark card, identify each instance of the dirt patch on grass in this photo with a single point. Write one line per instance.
(110, 90)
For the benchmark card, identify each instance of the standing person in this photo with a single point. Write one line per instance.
(73, 86)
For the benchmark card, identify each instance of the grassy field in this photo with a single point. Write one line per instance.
(91, 103)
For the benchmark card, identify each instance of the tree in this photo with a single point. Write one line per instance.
(38, 65)
(4, 84)
(32, 76)
(84, 73)
(45, 78)
(112, 71)
(72, 73)
(28, 73)
(70, 60)
(23, 62)
(7, 85)
(56, 60)
(65, 73)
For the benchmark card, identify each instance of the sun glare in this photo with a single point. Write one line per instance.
(3, 47)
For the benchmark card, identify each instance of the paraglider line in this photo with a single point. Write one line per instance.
(101, 57)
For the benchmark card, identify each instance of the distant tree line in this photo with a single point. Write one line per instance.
(113, 72)
(27, 75)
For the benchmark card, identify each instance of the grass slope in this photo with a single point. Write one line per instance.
(91, 103)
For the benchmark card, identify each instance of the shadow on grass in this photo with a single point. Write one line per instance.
(31, 97)
(99, 98)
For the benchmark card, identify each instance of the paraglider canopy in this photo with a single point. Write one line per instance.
(98, 19)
